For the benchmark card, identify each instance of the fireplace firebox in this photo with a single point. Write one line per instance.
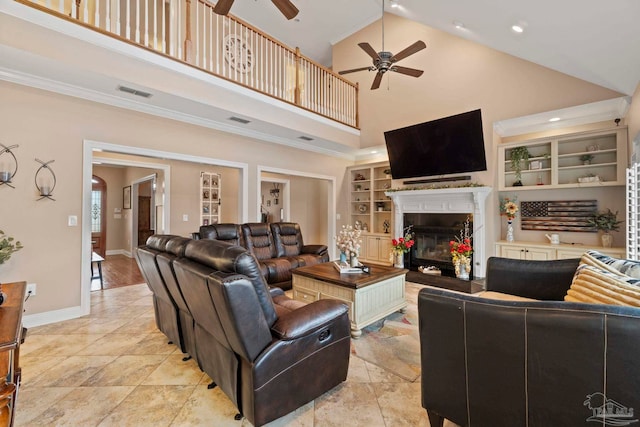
(432, 233)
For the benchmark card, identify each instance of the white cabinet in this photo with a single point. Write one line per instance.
(585, 159)
(210, 203)
(377, 248)
(546, 251)
(526, 252)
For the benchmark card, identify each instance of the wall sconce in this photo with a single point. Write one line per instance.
(8, 165)
(45, 183)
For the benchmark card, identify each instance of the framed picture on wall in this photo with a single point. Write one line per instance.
(126, 197)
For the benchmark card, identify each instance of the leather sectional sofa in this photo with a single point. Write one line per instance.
(268, 353)
(278, 246)
(533, 361)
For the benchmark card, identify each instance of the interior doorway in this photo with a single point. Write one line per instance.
(275, 199)
(143, 207)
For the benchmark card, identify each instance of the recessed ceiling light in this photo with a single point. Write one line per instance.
(554, 119)
(394, 3)
(459, 25)
(373, 152)
(517, 28)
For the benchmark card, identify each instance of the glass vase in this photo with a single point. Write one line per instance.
(462, 266)
(510, 231)
(343, 257)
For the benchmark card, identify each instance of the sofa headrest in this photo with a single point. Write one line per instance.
(159, 241)
(286, 228)
(227, 231)
(227, 258)
(177, 246)
(257, 228)
(208, 232)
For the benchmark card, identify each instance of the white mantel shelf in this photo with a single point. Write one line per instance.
(447, 200)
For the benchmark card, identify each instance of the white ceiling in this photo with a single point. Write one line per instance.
(594, 40)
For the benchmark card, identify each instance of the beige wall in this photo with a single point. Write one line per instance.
(51, 126)
(460, 76)
(633, 121)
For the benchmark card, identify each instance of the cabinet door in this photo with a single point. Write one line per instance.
(569, 253)
(384, 249)
(513, 252)
(372, 247)
(539, 254)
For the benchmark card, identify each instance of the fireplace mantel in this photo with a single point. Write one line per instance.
(447, 200)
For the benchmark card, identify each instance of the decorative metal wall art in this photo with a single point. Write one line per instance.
(8, 164)
(45, 180)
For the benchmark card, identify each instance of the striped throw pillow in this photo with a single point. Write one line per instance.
(595, 286)
(614, 265)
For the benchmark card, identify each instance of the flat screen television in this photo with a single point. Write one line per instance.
(444, 146)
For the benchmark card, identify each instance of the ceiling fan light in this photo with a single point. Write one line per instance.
(517, 28)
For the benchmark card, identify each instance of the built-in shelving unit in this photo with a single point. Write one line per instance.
(586, 159)
(371, 210)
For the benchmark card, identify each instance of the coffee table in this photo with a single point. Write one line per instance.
(370, 297)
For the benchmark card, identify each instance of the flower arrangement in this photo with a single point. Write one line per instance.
(402, 245)
(508, 208)
(7, 247)
(348, 240)
(461, 247)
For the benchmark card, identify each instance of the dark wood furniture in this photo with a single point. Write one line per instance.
(370, 297)
(11, 335)
(446, 282)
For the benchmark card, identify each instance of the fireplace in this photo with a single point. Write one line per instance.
(465, 201)
(432, 233)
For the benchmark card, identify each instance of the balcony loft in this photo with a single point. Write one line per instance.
(180, 61)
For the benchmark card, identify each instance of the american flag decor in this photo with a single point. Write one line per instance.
(570, 215)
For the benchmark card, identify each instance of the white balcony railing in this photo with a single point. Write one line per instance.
(189, 31)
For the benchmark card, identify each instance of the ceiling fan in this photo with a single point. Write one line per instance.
(384, 61)
(287, 8)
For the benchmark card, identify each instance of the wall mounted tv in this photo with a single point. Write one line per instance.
(444, 146)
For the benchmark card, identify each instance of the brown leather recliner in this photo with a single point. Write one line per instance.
(230, 233)
(175, 249)
(165, 308)
(527, 363)
(269, 357)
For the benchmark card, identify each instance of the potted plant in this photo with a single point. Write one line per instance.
(606, 222)
(7, 247)
(519, 158)
(586, 159)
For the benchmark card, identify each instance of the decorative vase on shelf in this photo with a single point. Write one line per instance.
(462, 266)
(343, 257)
(510, 231)
(354, 260)
(398, 260)
(607, 240)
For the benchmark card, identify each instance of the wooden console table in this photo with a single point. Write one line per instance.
(11, 335)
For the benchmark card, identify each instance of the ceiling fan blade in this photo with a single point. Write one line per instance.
(367, 48)
(416, 47)
(222, 7)
(408, 71)
(287, 8)
(376, 81)
(353, 70)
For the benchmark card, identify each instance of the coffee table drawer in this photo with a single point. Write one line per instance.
(306, 295)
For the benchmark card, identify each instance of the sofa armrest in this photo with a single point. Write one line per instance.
(308, 319)
(542, 280)
(314, 249)
(275, 291)
(195, 235)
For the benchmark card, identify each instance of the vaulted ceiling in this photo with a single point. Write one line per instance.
(593, 40)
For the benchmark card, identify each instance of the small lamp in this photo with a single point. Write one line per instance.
(8, 169)
(45, 180)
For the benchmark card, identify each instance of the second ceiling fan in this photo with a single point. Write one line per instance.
(384, 61)
(287, 8)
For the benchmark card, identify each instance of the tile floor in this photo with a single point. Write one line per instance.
(114, 368)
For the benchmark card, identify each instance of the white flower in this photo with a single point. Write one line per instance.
(348, 240)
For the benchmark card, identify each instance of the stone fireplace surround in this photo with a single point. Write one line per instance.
(468, 200)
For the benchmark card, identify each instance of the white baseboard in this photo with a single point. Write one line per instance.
(47, 317)
(119, 252)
